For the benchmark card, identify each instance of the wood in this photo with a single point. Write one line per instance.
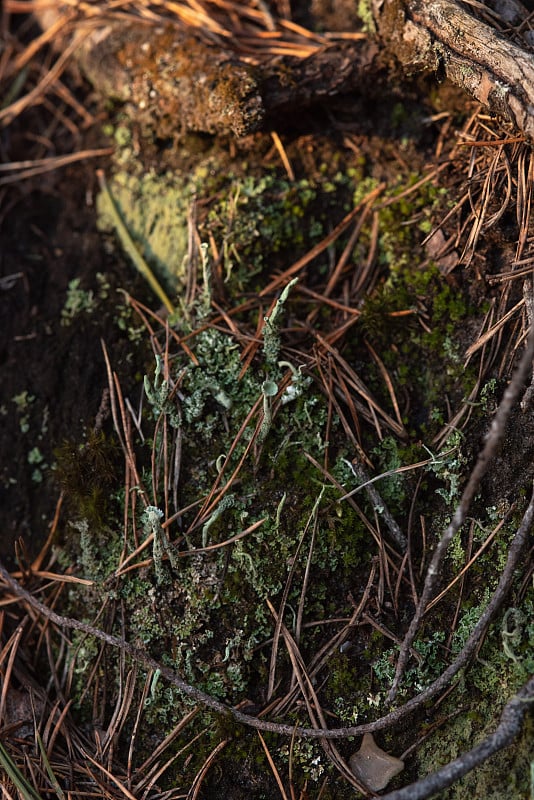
(443, 37)
(178, 79)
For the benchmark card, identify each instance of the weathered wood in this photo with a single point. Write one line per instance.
(442, 36)
(177, 79)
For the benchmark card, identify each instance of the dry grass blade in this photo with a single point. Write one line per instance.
(277, 283)
(108, 774)
(199, 778)
(315, 712)
(486, 337)
(312, 520)
(480, 210)
(387, 380)
(10, 651)
(143, 772)
(361, 277)
(213, 499)
(483, 547)
(378, 503)
(29, 169)
(34, 97)
(374, 413)
(300, 673)
(283, 155)
(320, 659)
(122, 428)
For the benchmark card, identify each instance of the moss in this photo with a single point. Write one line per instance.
(205, 614)
(485, 689)
(258, 220)
(88, 473)
(254, 219)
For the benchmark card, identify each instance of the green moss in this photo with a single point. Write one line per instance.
(87, 473)
(482, 693)
(205, 614)
(258, 220)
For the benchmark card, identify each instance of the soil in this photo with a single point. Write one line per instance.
(49, 238)
(53, 373)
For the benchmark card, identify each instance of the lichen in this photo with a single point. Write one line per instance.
(155, 210)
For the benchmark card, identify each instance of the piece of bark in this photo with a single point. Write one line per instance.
(442, 36)
(176, 80)
(173, 80)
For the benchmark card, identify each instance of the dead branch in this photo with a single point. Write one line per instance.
(177, 81)
(179, 76)
(441, 36)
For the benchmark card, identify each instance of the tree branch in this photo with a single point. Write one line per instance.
(440, 36)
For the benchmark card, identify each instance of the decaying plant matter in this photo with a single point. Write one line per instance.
(181, 75)
(312, 354)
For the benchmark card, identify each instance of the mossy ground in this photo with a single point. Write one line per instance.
(207, 615)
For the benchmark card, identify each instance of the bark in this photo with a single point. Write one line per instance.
(177, 79)
(443, 37)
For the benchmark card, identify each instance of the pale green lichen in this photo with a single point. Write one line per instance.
(271, 328)
(365, 13)
(155, 210)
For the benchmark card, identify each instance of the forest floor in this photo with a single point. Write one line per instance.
(185, 470)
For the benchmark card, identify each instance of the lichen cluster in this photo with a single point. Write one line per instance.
(205, 612)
